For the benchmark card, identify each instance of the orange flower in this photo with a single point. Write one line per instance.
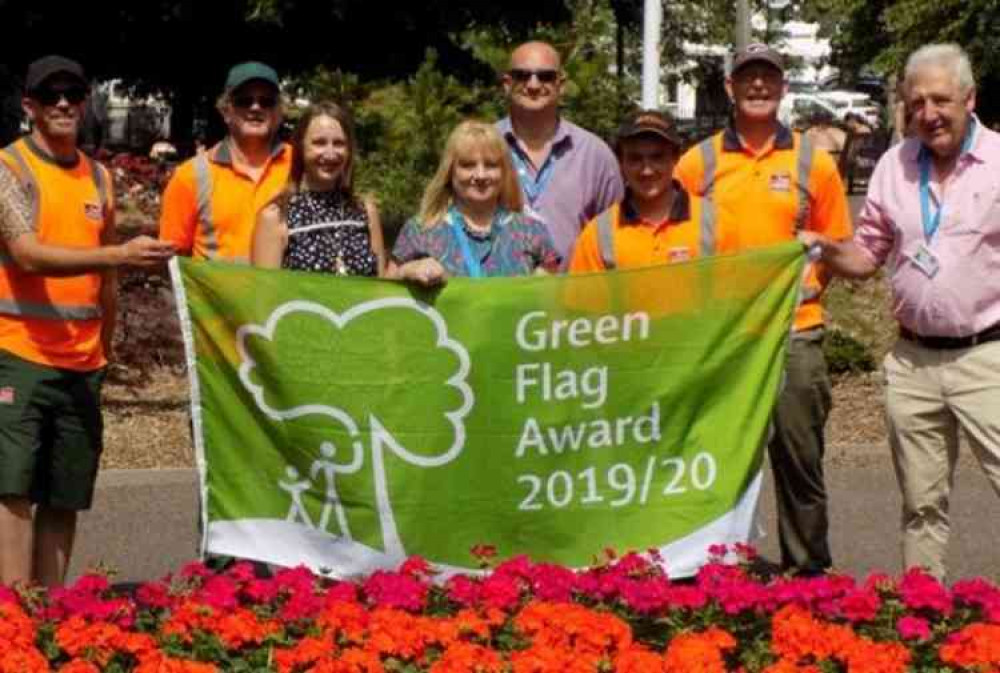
(699, 652)
(786, 666)
(867, 656)
(977, 645)
(345, 618)
(468, 658)
(79, 666)
(574, 627)
(96, 642)
(16, 628)
(637, 659)
(306, 652)
(161, 663)
(22, 660)
(351, 660)
(235, 629)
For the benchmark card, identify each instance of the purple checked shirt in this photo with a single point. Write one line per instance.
(963, 297)
(585, 181)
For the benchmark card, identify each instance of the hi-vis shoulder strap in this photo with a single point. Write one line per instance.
(709, 159)
(606, 239)
(203, 183)
(27, 179)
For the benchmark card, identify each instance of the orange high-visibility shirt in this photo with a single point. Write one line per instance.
(635, 242)
(56, 321)
(764, 199)
(210, 205)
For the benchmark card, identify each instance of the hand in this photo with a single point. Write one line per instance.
(427, 272)
(145, 251)
(815, 244)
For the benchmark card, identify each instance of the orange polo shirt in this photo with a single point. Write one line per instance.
(761, 199)
(639, 243)
(234, 199)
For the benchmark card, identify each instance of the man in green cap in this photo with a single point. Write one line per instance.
(211, 203)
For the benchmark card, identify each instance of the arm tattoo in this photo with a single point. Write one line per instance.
(15, 209)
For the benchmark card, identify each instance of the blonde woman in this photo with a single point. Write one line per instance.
(471, 221)
(318, 223)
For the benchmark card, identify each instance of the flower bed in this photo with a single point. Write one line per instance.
(522, 617)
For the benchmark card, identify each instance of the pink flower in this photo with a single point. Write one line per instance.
(342, 592)
(920, 591)
(553, 583)
(416, 568)
(394, 590)
(463, 590)
(220, 592)
(860, 605)
(195, 569)
(501, 592)
(913, 628)
(154, 595)
(242, 572)
(7, 595)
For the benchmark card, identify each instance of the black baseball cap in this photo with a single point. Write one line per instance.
(650, 122)
(49, 66)
(758, 53)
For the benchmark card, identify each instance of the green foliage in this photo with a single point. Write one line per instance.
(845, 354)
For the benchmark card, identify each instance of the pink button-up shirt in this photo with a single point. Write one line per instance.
(963, 297)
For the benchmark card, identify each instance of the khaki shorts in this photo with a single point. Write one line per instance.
(50, 433)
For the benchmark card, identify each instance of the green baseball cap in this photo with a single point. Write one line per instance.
(244, 72)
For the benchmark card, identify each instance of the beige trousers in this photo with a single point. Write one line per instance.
(931, 396)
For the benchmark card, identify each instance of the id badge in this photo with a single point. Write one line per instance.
(926, 261)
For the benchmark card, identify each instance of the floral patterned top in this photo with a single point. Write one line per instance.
(516, 245)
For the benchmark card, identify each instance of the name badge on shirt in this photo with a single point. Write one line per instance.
(678, 254)
(926, 261)
(781, 182)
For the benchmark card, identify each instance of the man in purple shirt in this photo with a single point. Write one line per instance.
(568, 175)
(933, 217)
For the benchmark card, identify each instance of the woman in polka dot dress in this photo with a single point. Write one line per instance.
(317, 223)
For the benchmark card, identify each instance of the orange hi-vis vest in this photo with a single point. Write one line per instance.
(56, 321)
(210, 205)
(757, 200)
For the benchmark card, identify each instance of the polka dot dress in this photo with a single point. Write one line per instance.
(328, 232)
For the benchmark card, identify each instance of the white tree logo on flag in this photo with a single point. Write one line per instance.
(259, 380)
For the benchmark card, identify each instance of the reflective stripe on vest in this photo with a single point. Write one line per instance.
(39, 310)
(606, 240)
(707, 223)
(804, 168)
(203, 179)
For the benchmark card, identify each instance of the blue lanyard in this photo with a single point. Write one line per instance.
(472, 263)
(933, 222)
(532, 188)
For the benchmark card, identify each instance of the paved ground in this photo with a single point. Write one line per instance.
(143, 522)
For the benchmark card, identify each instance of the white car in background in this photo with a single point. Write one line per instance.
(797, 109)
(853, 102)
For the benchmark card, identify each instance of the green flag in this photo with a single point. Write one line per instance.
(347, 423)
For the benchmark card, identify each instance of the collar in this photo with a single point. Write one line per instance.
(561, 139)
(37, 150)
(222, 153)
(680, 209)
(783, 139)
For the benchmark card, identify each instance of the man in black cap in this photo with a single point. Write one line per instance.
(210, 204)
(762, 184)
(658, 221)
(57, 308)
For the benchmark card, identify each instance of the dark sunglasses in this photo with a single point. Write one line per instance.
(522, 75)
(46, 96)
(265, 102)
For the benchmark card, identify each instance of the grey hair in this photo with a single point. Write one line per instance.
(949, 56)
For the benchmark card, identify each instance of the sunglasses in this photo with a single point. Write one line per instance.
(73, 95)
(523, 75)
(265, 102)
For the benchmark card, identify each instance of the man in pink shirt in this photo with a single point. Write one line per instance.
(932, 216)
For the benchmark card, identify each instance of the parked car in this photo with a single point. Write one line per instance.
(853, 102)
(797, 109)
